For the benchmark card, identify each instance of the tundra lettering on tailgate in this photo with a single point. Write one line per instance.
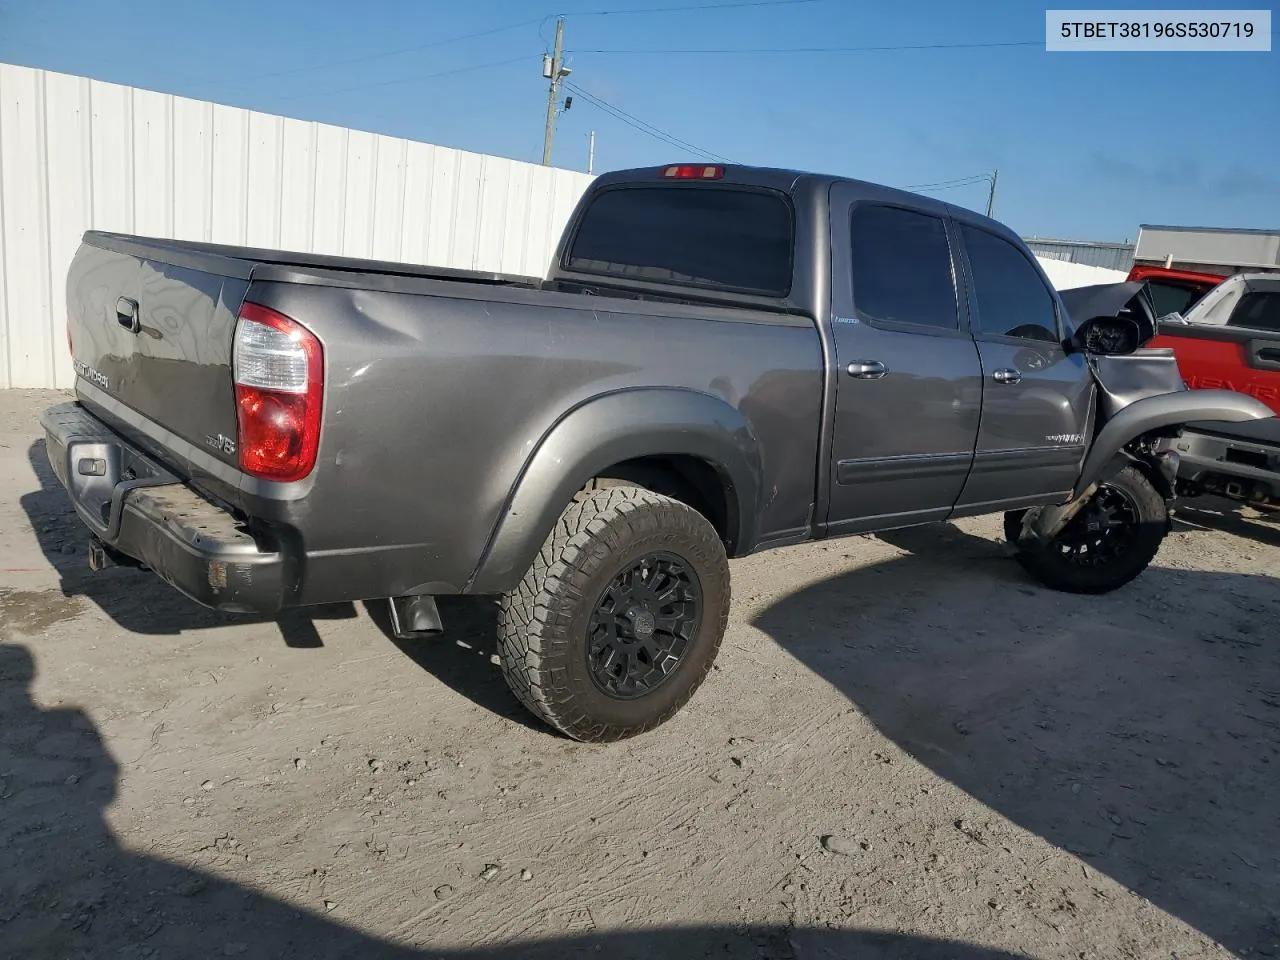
(90, 374)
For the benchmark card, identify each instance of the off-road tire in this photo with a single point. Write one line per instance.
(1056, 571)
(543, 622)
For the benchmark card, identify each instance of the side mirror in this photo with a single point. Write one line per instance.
(1107, 336)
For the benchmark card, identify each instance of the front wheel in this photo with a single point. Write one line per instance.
(618, 620)
(1112, 539)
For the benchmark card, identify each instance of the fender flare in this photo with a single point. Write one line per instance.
(606, 430)
(1164, 410)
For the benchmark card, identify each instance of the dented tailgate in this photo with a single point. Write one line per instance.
(156, 336)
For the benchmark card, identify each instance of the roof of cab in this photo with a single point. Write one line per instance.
(790, 181)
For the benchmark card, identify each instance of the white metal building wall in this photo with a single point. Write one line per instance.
(1065, 275)
(78, 154)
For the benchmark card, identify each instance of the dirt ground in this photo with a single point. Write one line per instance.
(998, 770)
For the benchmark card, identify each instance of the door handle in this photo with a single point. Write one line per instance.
(127, 314)
(1007, 375)
(867, 369)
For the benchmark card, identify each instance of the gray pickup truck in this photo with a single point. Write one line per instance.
(721, 360)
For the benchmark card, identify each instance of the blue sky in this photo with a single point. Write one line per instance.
(1088, 145)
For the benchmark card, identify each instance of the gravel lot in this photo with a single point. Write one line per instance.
(997, 770)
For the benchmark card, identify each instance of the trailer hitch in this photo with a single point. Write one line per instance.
(102, 556)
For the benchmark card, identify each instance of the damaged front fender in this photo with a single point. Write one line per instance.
(1158, 413)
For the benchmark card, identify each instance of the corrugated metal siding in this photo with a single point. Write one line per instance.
(79, 154)
(1111, 256)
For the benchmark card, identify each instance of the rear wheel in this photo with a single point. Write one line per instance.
(1110, 541)
(617, 622)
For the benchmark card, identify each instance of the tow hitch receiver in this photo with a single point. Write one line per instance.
(102, 556)
(98, 559)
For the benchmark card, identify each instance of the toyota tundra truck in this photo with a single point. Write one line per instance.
(720, 360)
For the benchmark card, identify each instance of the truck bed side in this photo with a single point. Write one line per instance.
(436, 395)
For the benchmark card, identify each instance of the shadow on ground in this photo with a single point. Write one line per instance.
(1226, 516)
(68, 889)
(137, 600)
(141, 603)
(1107, 725)
(464, 657)
(1110, 726)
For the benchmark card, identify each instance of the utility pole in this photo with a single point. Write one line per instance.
(991, 197)
(555, 72)
(591, 152)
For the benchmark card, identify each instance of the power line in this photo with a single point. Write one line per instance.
(950, 184)
(988, 178)
(644, 127)
(822, 49)
(372, 56)
(738, 4)
(971, 183)
(538, 21)
(424, 76)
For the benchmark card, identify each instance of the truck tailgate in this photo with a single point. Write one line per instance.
(157, 337)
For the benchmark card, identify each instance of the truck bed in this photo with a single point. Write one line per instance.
(438, 385)
(241, 262)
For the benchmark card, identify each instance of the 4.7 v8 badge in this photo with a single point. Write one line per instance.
(221, 444)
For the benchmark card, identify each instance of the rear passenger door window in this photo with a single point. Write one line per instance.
(1011, 299)
(901, 268)
(1257, 310)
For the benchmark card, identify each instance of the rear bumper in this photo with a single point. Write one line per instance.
(139, 509)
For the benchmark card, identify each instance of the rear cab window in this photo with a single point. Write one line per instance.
(722, 238)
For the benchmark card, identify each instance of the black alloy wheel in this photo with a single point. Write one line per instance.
(1103, 530)
(1113, 538)
(642, 625)
(618, 619)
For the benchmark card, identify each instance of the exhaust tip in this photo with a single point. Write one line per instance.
(414, 617)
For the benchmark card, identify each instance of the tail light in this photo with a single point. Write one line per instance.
(278, 366)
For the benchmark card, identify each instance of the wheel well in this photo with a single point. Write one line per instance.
(691, 480)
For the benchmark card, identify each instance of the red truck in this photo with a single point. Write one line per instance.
(1173, 290)
(1229, 338)
(1225, 336)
